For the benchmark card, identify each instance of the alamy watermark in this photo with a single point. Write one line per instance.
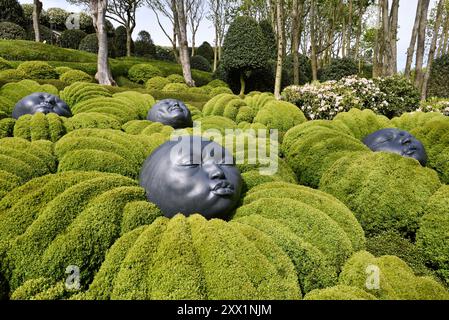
(73, 21)
(250, 147)
(373, 279)
(73, 281)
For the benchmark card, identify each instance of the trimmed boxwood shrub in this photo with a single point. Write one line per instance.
(5, 65)
(82, 91)
(362, 123)
(40, 127)
(311, 149)
(432, 234)
(143, 102)
(76, 216)
(157, 83)
(384, 190)
(216, 122)
(219, 90)
(339, 292)
(11, 75)
(217, 83)
(176, 78)
(200, 63)
(212, 260)
(102, 150)
(37, 70)
(91, 120)
(225, 104)
(89, 43)
(71, 38)
(141, 73)
(7, 127)
(61, 70)
(73, 76)
(397, 280)
(11, 31)
(176, 87)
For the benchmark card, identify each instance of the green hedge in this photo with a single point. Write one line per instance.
(397, 280)
(7, 127)
(312, 148)
(175, 87)
(157, 83)
(82, 91)
(4, 64)
(73, 76)
(385, 191)
(432, 234)
(141, 73)
(60, 220)
(11, 31)
(363, 123)
(143, 102)
(92, 120)
(37, 70)
(176, 78)
(191, 258)
(40, 127)
(226, 105)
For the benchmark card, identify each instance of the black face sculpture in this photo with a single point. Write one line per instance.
(41, 102)
(399, 142)
(192, 175)
(172, 113)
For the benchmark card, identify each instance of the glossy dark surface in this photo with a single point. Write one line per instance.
(399, 142)
(172, 113)
(41, 102)
(192, 176)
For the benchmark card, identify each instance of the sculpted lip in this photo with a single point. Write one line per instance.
(223, 189)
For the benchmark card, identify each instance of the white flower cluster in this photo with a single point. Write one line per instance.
(435, 105)
(326, 100)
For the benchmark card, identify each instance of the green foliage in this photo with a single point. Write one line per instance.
(313, 147)
(120, 41)
(5, 65)
(200, 63)
(176, 78)
(40, 127)
(433, 105)
(11, 31)
(11, 75)
(164, 54)
(401, 95)
(362, 123)
(384, 190)
(103, 150)
(244, 46)
(143, 102)
(205, 50)
(7, 127)
(176, 87)
(269, 39)
(73, 76)
(71, 38)
(217, 83)
(92, 120)
(415, 120)
(11, 10)
(89, 43)
(219, 90)
(82, 91)
(20, 50)
(224, 104)
(432, 234)
(141, 73)
(144, 46)
(439, 82)
(57, 17)
(305, 69)
(397, 280)
(37, 70)
(339, 292)
(157, 83)
(65, 219)
(338, 69)
(212, 260)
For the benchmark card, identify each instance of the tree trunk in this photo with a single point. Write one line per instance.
(411, 48)
(103, 75)
(281, 40)
(349, 32)
(216, 50)
(37, 9)
(128, 41)
(394, 16)
(421, 46)
(433, 47)
(183, 42)
(313, 56)
(378, 54)
(242, 84)
(193, 44)
(445, 37)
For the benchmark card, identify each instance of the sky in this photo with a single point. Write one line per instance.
(146, 20)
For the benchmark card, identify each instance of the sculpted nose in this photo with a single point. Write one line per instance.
(215, 172)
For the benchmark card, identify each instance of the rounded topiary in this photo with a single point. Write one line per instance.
(92, 120)
(432, 234)
(176, 78)
(11, 31)
(82, 91)
(200, 63)
(313, 147)
(205, 50)
(384, 190)
(338, 69)
(212, 260)
(7, 127)
(89, 43)
(103, 150)
(5, 65)
(71, 38)
(340, 292)
(61, 70)
(11, 75)
(219, 90)
(176, 87)
(76, 216)
(38, 70)
(40, 127)
(141, 73)
(157, 83)
(216, 123)
(147, 128)
(73, 76)
(362, 123)
(217, 83)
(415, 120)
(198, 91)
(225, 104)
(143, 102)
(396, 279)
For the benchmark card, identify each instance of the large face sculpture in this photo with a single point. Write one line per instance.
(397, 141)
(41, 102)
(172, 113)
(192, 175)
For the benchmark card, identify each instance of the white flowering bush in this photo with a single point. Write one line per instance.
(435, 105)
